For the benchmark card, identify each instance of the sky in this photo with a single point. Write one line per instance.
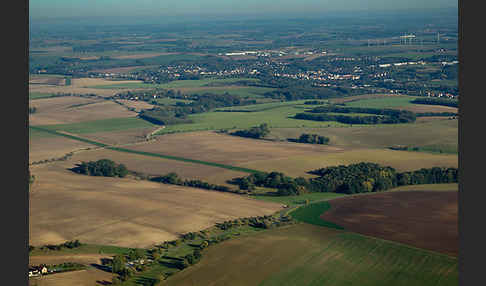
(170, 8)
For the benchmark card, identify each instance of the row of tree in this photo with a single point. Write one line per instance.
(102, 167)
(174, 179)
(354, 178)
(382, 116)
(437, 101)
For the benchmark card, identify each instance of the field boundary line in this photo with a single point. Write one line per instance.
(213, 164)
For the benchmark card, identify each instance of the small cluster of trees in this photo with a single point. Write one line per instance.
(355, 178)
(256, 132)
(284, 184)
(437, 101)
(67, 244)
(265, 222)
(102, 167)
(32, 110)
(381, 116)
(174, 179)
(313, 139)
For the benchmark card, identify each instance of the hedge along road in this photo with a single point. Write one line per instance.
(229, 167)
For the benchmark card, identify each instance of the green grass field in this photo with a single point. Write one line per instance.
(105, 125)
(305, 254)
(385, 102)
(276, 115)
(311, 214)
(37, 95)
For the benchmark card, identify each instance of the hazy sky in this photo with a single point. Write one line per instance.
(123, 8)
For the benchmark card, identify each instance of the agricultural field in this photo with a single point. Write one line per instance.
(103, 125)
(157, 166)
(73, 109)
(279, 116)
(81, 278)
(440, 133)
(293, 159)
(423, 219)
(305, 254)
(123, 211)
(51, 147)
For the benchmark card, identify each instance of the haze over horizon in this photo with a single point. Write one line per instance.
(58, 9)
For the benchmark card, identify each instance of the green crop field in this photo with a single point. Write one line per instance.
(305, 254)
(105, 125)
(37, 95)
(278, 115)
(311, 214)
(385, 102)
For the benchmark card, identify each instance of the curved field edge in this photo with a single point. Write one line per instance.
(311, 214)
(305, 254)
(213, 164)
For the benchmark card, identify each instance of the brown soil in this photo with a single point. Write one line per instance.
(424, 219)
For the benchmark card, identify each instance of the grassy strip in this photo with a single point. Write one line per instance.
(311, 214)
(234, 168)
(37, 128)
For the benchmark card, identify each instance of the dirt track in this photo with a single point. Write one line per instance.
(424, 219)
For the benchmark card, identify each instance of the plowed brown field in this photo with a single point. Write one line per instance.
(424, 219)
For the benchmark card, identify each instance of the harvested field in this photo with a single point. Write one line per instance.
(49, 147)
(160, 166)
(143, 56)
(129, 136)
(418, 108)
(42, 88)
(422, 219)
(119, 70)
(88, 277)
(124, 212)
(90, 82)
(73, 109)
(138, 105)
(227, 149)
(400, 160)
(293, 159)
(47, 80)
(305, 254)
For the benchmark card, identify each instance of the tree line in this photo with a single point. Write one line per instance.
(174, 179)
(437, 101)
(102, 167)
(355, 178)
(382, 116)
